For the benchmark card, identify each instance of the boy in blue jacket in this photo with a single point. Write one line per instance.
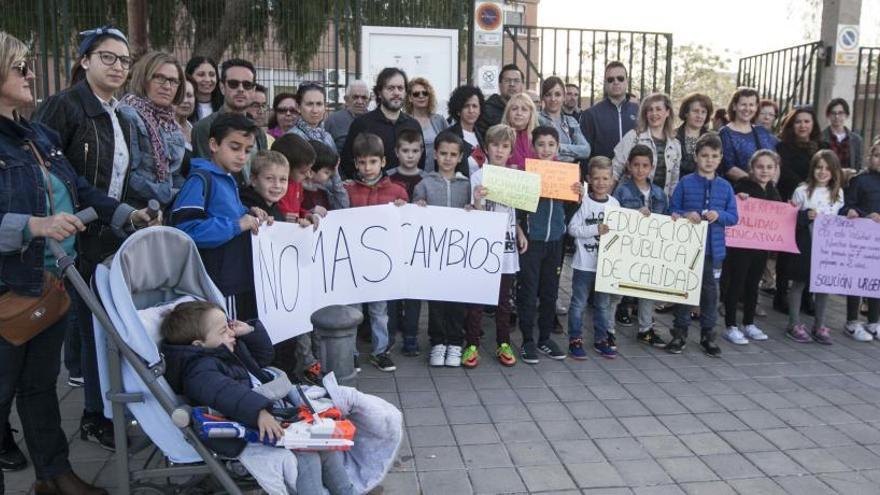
(209, 210)
(697, 197)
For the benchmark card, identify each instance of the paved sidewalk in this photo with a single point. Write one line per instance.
(773, 417)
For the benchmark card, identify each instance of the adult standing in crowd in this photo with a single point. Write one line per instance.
(39, 191)
(768, 110)
(185, 109)
(465, 105)
(421, 105)
(357, 97)
(655, 131)
(605, 123)
(572, 104)
(510, 83)
(573, 146)
(96, 138)
(258, 111)
(209, 98)
(385, 121)
(522, 116)
(847, 145)
(741, 138)
(238, 83)
(284, 114)
(156, 86)
(310, 99)
(694, 113)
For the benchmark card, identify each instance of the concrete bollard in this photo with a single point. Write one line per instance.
(336, 327)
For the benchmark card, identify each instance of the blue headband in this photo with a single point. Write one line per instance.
(90, 36)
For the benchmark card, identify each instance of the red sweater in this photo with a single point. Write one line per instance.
(292, 202)
(383, 192)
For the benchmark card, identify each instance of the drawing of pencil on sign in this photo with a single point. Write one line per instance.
(652, 257)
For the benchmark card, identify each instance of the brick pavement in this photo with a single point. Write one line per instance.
(766, 418)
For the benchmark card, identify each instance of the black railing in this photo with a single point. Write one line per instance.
(579, 56)
(866, 104)
(790, 76)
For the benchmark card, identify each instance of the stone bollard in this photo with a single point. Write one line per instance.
(336, 327)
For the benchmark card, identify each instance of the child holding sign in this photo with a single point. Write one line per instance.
(449, 188)
(638, 192)
(585, 227)
(863, 200)
(499, 143)
(822, 193)
(697, 197)
(539, 265)
(743, 268)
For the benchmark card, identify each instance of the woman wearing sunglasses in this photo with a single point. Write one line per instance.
(420, 104)
(96, 138)
(156, 85)
(284, 114)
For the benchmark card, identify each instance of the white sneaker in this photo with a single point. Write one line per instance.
(453, 356)
(874, 330)
(438, 355)
(734, 336)
(857, 331)
(754, 333)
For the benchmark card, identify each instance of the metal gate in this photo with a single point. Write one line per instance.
(579, 56)
(866, 104)
(789, 77)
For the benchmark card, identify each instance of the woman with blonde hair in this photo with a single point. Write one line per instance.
(521, 114)
(421, 103)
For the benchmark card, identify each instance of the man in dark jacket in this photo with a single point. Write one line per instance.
(510, 82)
(605, 123)
(386, 121)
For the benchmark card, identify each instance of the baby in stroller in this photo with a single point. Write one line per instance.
(220, 363)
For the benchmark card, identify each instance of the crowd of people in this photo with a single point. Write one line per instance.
(202, 140)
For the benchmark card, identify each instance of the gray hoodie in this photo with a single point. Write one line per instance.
(436, 190)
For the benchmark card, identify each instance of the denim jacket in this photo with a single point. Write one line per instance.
(142, 182)
(628, 195)
(23, 195)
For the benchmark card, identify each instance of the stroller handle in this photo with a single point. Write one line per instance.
(153, 208)
(85, 216)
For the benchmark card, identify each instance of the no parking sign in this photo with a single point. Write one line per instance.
(846, 51)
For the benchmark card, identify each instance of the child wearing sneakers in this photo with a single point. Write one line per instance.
(743, 268)
(863, 200)
(499, 143)
(704, 196)
(586, 227)
(638, 192)
(538, 276)
(403, 314)
(445, 187)
(821, 194)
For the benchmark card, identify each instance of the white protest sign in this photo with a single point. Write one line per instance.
(355, 256)
(450, 254)
(651, 257)
(282, 279)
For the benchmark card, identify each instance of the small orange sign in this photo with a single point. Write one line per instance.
(556, 178)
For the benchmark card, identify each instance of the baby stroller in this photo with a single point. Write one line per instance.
(156, 267)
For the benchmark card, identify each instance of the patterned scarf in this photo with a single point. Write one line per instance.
(157, 120)
(316, 133)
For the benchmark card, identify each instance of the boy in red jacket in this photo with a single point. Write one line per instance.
(301, 156)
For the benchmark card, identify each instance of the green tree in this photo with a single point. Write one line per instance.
(698, 68)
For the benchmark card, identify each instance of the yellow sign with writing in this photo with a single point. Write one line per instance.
(511, 187)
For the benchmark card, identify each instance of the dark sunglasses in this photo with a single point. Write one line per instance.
(235, 83)
(22, 68)
(419, 94)
(610, 80)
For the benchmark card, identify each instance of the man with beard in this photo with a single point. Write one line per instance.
(510, 82)
(237, 83)
(386, 121)
(572, 103)
(357, 97)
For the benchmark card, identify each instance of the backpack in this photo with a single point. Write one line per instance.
(207, 180)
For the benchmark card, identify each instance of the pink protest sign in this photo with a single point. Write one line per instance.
(845, 256)
(765, 225)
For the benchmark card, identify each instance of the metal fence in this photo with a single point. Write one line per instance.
(789, 77)
(579, 56)
(866, 104)
(289, 41)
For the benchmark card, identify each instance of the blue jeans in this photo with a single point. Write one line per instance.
(28, 374)
(378, 324)
(73, 342)
(708, 306)
(582, 283)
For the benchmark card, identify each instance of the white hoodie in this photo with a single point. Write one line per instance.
(584, 227)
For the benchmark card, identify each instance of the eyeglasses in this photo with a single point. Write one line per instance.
(286, 110)
(839, 113)
(258, 106)
(611, 79)
(109, 59)
(166, 81)
(22, 68)
(419, 94)
(235, 83)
